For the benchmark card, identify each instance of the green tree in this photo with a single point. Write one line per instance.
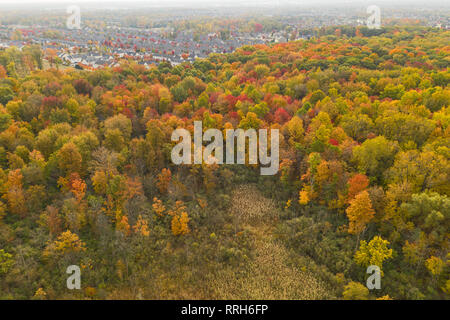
(375, 155)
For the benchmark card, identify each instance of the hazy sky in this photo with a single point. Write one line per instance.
(221, 1)
(234, 3)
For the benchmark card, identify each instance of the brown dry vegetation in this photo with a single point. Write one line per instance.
(268, 274)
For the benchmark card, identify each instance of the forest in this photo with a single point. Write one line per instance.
(86, 176)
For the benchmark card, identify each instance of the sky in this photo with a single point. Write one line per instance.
(218, 1)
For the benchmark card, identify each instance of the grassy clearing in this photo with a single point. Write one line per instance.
(268, 274)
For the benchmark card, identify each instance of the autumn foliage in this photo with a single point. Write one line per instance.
(86, 176)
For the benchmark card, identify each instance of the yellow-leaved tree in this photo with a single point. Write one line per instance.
(355, 291)
(67, 242)
(373, 253)
(180, 224)
(359, 213)
(304, 195)
(180, 219)
(435, 265)
(141, 227)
